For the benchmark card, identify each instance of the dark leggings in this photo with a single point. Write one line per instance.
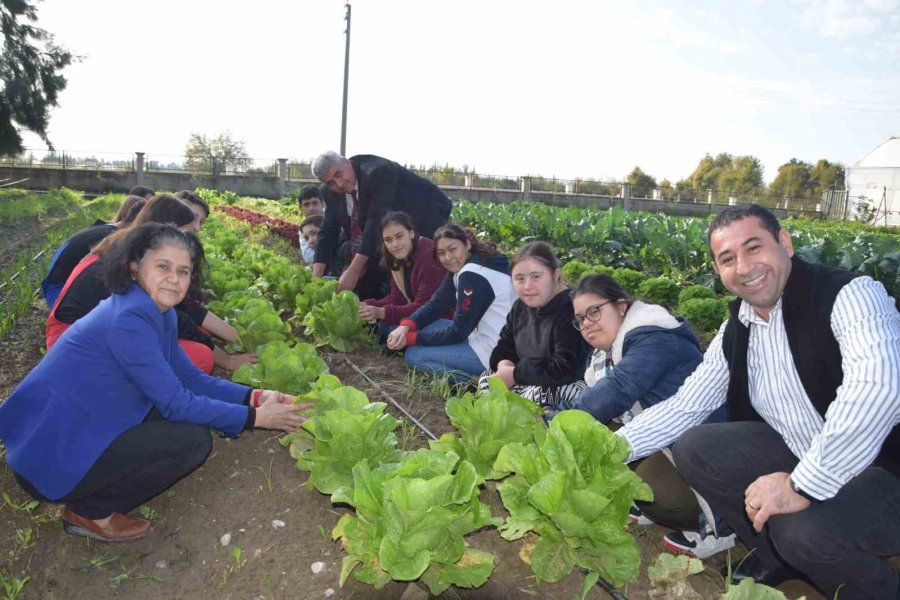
(140, 464)
(840, 544)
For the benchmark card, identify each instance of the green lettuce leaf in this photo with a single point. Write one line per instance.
(486, 424)
(572, 489)
(282, 368)
(336, 323)
(411, 521)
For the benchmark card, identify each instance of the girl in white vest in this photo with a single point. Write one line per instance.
(480, 290)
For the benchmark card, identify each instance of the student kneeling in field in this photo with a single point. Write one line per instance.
(79, 245)
(415, 274)
(115, 413)
(309, 234)
(480, 290)
(85, 289)
(539, 356)
(642, 355)
(311, 204)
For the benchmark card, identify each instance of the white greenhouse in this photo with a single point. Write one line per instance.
(875, 180)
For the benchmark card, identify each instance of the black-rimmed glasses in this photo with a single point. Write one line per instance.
(592, 314)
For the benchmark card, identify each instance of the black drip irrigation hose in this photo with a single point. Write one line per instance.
(399, 407)
(609, 589)
(607, 586)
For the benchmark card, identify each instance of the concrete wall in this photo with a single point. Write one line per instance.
(104, 181)
(270, 186)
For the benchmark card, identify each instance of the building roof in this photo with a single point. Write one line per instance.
(885, 154)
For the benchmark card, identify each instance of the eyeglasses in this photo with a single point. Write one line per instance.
(592, 314)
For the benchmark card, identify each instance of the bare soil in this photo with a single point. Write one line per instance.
(246, 489)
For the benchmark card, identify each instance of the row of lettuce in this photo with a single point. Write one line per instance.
(60, 213)
(414, 511)
(656, 257)
(565, 487)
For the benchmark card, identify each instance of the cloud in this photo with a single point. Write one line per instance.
(732, 47)
(846, 19)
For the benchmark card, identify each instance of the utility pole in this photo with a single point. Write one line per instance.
(346, 82)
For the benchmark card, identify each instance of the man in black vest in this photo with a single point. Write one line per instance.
(360, 190)
(807, 472)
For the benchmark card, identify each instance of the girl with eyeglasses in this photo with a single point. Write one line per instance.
(642, 355)
(539, 355)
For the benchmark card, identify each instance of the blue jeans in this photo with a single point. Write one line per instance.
(458, 361)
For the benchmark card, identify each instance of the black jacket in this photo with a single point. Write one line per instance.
(382, 186)
(807, 302)
(543, 343)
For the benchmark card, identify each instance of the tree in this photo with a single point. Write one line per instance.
(825, 176)
(215, 155)
(30, 75)
(641, 183)
(726, 173)
(793, 180)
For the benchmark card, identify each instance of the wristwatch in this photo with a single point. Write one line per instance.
(797, 490)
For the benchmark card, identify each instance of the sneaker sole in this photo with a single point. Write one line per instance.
(691, 551)
(78, 530)
(641, 520)
(675, 548)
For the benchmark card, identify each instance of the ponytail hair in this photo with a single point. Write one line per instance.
(539, 251)
(484, 250)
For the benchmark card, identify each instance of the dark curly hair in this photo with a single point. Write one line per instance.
(134, 246)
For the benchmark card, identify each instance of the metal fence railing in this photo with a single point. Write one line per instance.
(295, 170)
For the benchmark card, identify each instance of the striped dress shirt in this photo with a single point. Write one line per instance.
(831, 451)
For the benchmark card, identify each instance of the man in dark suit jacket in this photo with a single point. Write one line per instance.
(360, 190)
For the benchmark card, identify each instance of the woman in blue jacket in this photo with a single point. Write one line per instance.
(115, 413)
(642, 355)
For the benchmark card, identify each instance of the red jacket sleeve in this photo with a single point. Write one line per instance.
(426, 277)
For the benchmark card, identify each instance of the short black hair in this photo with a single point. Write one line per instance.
(736, 213)
(308, 192)
(142, 191)
(117, 262)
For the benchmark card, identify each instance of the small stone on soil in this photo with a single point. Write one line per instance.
(161, 564)
(317, 567)
(278, 523)
(226, 539)
(329, 593)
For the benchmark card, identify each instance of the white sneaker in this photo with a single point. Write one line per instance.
(692, 544)
(637, 517)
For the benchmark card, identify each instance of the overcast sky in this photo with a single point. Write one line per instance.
(565, 88)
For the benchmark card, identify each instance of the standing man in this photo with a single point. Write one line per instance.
(808, 471)
(361, 190)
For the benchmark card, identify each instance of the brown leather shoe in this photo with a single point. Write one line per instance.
(121, 528)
